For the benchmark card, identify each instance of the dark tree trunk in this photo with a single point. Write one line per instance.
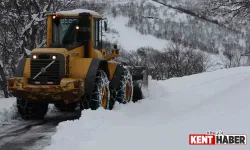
(4, 82)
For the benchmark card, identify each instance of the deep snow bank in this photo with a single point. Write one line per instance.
(9, 113)
(8, 110)
(174, 108)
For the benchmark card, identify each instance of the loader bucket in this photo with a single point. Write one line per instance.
(140, 74)
(140, 80)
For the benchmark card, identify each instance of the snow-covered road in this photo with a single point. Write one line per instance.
(31, 135)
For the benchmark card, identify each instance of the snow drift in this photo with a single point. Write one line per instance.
(173, 109)
(9, 113)
(8, 110)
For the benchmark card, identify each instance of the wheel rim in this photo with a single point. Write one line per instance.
(104, 98)
(128, 91)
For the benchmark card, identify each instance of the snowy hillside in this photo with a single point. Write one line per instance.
(145, 23)
(173, 109)
(129, 38)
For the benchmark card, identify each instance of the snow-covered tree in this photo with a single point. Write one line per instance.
(23, 28)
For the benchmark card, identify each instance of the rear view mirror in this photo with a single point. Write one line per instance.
(105, 26)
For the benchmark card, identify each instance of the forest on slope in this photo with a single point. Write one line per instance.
(190, 41)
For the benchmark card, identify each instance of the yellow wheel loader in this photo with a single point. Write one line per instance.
(73, 69)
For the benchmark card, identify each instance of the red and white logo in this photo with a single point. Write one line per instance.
(217, 139)
(201, 139)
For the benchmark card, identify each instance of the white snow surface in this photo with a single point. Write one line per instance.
(172, 110)
(8, 111)
(129, 38)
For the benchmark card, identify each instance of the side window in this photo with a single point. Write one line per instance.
(97, 34)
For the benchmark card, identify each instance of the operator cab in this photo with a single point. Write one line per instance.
(71, 29)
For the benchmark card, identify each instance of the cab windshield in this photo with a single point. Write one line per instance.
(65, 30)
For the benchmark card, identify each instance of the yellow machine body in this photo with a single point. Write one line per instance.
(77, 65)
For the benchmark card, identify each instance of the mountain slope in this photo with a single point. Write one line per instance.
(129, 38)
(143, 23)
(173, 109)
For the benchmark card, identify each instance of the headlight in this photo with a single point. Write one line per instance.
(34, 57)
(54, 57)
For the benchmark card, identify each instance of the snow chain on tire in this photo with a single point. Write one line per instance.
(95, 101)
(119, 94)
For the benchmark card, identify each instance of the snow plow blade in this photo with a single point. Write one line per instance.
(140, 74)
(140, 80)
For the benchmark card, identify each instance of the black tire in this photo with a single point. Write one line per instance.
(119, 94)
(96, 99)
(30, 110)
(66, 107)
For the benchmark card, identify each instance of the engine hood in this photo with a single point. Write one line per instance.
(62, 51)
